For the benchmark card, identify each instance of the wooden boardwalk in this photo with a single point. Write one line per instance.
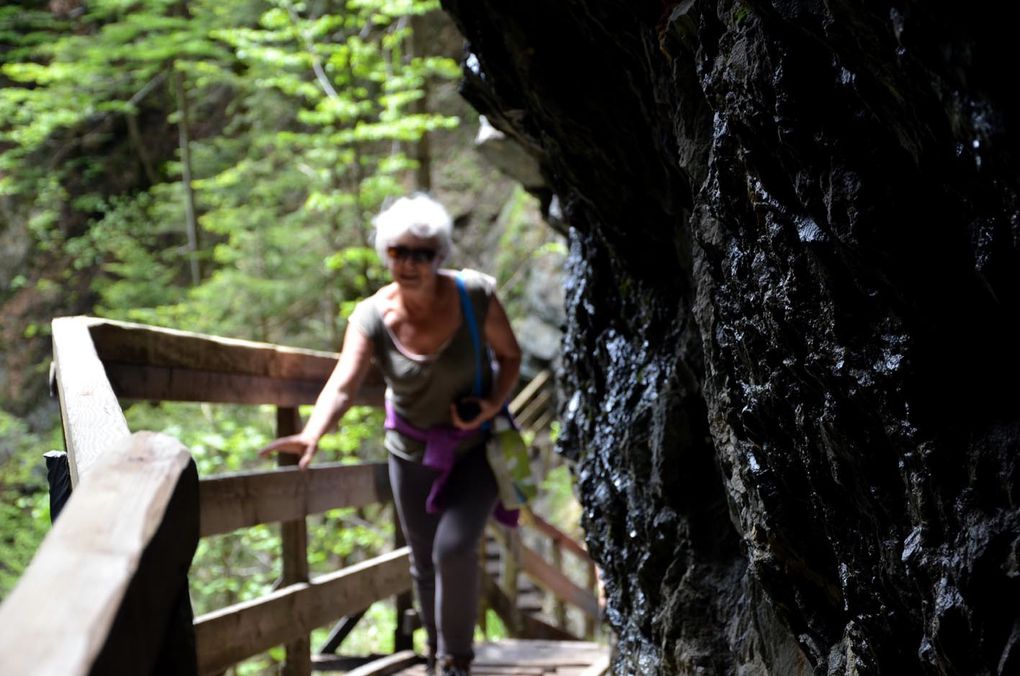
(140, 508)
(511, 657)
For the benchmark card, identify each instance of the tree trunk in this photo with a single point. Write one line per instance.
(184, 137)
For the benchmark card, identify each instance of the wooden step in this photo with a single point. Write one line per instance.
(529, 658)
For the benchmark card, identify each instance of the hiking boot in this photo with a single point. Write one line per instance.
(454, 666)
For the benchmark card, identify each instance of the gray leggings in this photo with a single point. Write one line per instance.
(444, 546)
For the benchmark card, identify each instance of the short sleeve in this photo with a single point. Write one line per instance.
(366, 318)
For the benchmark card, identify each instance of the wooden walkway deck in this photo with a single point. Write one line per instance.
(140, 508)
(511, 657)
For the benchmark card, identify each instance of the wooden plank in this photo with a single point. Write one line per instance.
(233, 501)
(555, 582)
(532, 520)
(156, 346)
(599, 667)
(544, 421)
(391, 664)
(416, 670)
(548, 653)
(343, 663)
(529, 390)
(76, 584)
(92, 418)
(227, 636)
(533, 411)
(174, 351)
(162, 383)
(507, 670)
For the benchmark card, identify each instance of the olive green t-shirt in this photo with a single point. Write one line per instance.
(422, 387)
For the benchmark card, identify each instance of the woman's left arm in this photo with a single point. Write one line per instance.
(500, 337)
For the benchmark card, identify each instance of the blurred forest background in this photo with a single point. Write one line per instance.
(214, 167)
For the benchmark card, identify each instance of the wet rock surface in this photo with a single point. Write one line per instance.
(791, 355)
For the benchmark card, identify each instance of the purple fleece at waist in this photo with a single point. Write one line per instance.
(441, 442)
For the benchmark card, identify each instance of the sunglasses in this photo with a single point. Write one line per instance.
(412, 253)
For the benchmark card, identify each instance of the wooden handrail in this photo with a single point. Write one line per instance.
(532, 403)
(545, 575)
(128, 343)
(533, 520)
(519, 623)
(227, 636)
(132, 516)
(530, 390)
(558, 584)
(232, 501)
(93, 420)
(157, 364)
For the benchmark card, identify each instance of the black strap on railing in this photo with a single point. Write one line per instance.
(58, 473)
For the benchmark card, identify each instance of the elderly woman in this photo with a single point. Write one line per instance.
(418, 331)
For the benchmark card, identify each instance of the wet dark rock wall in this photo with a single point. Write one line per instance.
(791, 346)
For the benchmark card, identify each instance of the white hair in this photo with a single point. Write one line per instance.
(419, 215)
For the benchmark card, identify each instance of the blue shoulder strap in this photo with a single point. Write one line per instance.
(476, 341)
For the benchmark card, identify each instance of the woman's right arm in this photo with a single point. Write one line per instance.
(334, 400)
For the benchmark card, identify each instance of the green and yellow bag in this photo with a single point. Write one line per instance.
(510, 462)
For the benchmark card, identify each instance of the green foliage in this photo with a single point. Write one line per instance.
(525, 239)
(245, 564)
(300, 121)
(495, 629)
(558, 504)
(318, 110)
(24, 497)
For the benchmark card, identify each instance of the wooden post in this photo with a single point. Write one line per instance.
(483, 620)
(593, 585)
(511, 569)
(154, 624)
(403, 635)
(294, 537)
(559, 607)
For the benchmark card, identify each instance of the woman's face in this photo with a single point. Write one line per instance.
(413, 261)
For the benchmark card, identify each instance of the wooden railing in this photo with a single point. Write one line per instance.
(517, 558)
(110, 579)
(287, 615)
(533, 409)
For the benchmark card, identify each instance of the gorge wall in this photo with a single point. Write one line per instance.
(791, 355)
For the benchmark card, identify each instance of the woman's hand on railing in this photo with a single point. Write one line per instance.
(295, 444)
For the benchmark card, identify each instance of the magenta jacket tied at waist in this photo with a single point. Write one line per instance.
(441, 442)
